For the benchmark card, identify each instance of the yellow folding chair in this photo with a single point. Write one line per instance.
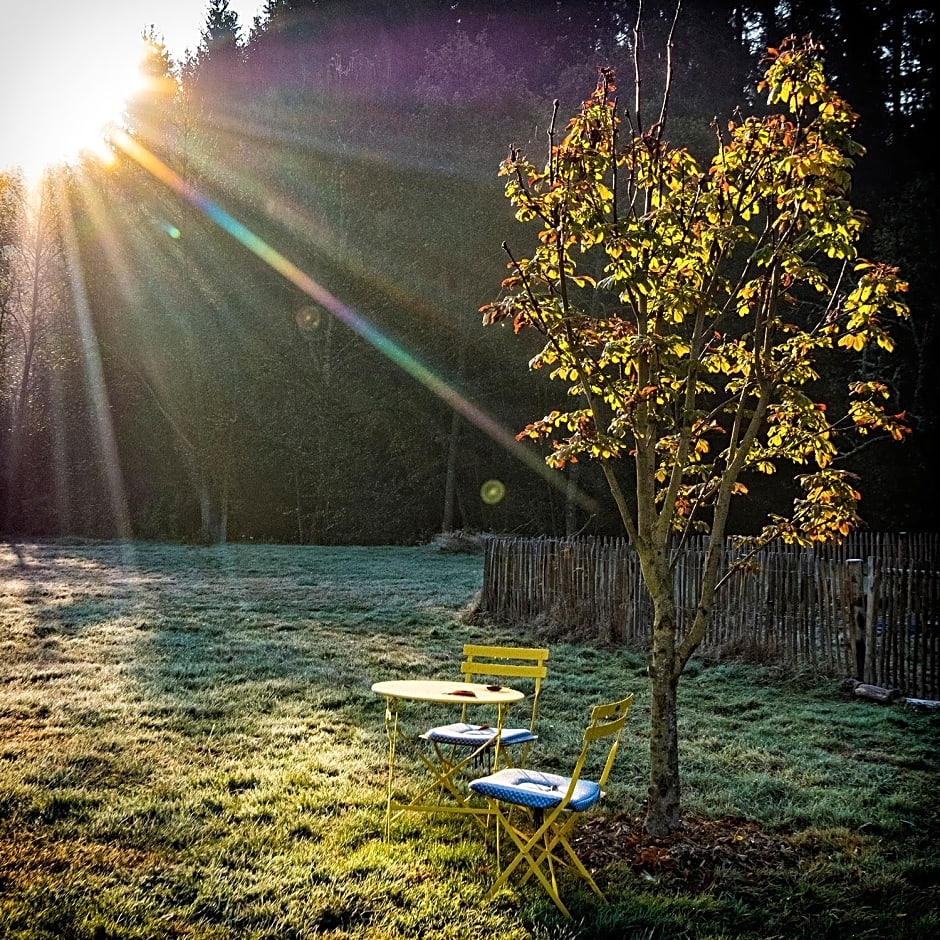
(553, 803)
(460, 746)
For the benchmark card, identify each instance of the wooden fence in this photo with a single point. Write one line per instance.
(869, 608)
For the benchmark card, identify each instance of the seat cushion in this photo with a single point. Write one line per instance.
(535, 789)
(476, 736)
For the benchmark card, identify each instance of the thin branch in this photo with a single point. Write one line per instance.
(637, 81)
(670, 42)
(552, 157)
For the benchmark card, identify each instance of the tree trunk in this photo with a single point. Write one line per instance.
(450, 481)
(662, 810)
(571, 500)
(213, 516)
(20, 403)
(298, 504)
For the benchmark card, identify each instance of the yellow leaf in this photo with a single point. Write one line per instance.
(852, 341)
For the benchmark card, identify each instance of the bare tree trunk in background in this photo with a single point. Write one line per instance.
(28, 321)
(571, 501)
(450, 481)
(451, 495)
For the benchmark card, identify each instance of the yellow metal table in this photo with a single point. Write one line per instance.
(441, 692)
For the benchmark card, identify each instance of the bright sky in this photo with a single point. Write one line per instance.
(67, 65)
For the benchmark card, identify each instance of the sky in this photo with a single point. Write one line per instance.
(62, 61)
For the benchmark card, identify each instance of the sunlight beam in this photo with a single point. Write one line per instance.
(347, 315)
(94, 374)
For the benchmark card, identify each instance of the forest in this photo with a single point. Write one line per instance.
(262, 321)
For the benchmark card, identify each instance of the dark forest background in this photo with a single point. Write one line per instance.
(274, 333)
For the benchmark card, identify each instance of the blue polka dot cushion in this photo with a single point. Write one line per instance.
(535, 789)
(475, 736)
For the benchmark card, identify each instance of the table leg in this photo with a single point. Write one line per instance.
(391, 731)
(500, 719)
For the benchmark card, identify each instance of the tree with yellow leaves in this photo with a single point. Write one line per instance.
(691, 355)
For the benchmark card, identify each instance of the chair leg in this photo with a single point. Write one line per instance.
(585, 874)
(549, 855)
(542, 838)
(541, 850)
(517, 836)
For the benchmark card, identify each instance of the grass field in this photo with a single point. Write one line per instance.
(189, 748)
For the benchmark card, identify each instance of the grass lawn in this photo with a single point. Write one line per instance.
(189, 748)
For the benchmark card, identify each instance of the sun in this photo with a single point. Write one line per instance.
(64, 81)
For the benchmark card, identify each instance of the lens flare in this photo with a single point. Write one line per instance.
(307, 318)
(492, 492)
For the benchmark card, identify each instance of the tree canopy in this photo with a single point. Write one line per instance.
(690, 312)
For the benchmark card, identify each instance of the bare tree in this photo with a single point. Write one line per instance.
(32, 293)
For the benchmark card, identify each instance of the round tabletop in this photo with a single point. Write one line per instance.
(439, 690)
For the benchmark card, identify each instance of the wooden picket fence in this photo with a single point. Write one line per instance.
(869, 608)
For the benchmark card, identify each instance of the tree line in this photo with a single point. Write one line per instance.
(262, 319)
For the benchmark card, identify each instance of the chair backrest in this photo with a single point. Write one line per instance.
(507, 662)
(607, 721)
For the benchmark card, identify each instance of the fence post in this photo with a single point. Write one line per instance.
(870, 629)
(858, 625)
